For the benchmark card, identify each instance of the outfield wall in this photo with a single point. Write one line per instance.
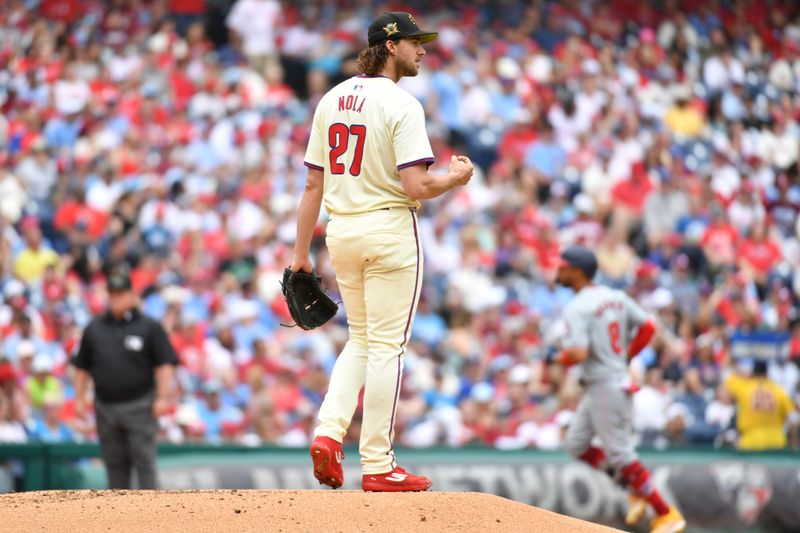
(722, 490)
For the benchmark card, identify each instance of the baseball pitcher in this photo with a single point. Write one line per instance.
(368, 158)
(605, 328)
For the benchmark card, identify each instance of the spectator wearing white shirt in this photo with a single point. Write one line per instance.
(746, 208)
(125, 66)
(220, 349)
(720, 411)
(733, 102)
(786, 374)
(596, 180)
(664, 207)
(628, 150)
(255, 21)
(13, 197)
(441, 247)
(568, 123)
(38, 172)
(476, 102)
(781, 75)
(103, 193)
(71, 93)
(585, 229)
(725, 179)
(650, 406)
(590, 100)
(246, 220)
(163, 213)
(720, 71)
(779, 145)
(302, 40)
(11, 429)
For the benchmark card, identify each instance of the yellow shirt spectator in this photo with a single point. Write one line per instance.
(30, 264)
(42, 384)
(41, 389)
(684, 120)
(762, 408)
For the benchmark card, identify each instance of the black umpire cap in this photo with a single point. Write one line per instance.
(119, 281)
(581, 258)
(397, 25)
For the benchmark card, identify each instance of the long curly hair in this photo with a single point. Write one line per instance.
(372, 59)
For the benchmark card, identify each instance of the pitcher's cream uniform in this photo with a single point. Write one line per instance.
(365, 129)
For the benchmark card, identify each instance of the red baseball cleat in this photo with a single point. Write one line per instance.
(327, 456)
(397, 480)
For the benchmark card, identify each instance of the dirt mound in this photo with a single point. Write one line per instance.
(276, 511)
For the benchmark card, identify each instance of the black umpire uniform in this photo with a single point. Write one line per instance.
(123, 350)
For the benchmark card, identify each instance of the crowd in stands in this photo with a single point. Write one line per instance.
(168, 136)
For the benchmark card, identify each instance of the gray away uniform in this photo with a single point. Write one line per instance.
(603, 320)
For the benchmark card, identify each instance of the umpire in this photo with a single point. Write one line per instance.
(132, 364)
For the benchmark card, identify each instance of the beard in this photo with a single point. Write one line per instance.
(407, 67)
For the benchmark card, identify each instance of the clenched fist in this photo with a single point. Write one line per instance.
(461, 169)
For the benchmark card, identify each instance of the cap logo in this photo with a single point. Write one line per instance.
(391, 29)
(414, 22)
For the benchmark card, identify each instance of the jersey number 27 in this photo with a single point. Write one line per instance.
(338, 139)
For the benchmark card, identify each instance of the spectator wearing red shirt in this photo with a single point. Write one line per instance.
(186, 12)
(264, 359)
(75, 215)
(516, 140)
(758, 254)
(646, 280)
(479, 414)
(584, 153)
(119, 23)
(585, 229)
(188, 340)
(794, 346)
(571, 53)
(736, 307)
(607, 23)
(720, 239)
(286, 394)
(651, 56)
(632, 193)
(545, 246)
(61, 10)
(104, 90)
(778, 305)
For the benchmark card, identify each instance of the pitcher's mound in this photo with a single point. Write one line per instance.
(276, 511)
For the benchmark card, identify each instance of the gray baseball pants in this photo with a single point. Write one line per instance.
(127, 432)
(606, 410)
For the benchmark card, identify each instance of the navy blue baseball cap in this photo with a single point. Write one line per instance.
(397, 25)
(760, 367)
(581, 258)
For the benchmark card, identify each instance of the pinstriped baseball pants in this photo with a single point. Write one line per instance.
(377, 257)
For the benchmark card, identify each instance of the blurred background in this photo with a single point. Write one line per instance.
(168, 136)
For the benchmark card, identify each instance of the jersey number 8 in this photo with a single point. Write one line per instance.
(338, 139)
(613, 334)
